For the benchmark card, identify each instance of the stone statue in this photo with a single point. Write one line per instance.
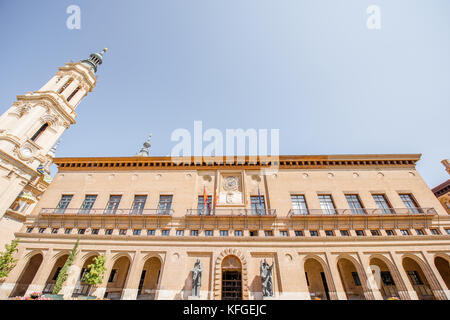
(197, 278)
(266, 278)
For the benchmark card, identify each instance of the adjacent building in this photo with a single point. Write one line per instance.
(442, 191)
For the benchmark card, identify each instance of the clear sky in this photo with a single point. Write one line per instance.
(309, 68)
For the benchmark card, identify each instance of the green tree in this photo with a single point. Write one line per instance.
(63, 274)
(94, 276)
(7, 261)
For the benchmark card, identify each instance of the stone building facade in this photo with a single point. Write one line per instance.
(334, 227)
(442, 191)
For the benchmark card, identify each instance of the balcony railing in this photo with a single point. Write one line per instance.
(238, 212)
(106, 212)
(362, 212)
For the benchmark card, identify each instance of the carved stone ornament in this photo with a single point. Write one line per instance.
(231, 183)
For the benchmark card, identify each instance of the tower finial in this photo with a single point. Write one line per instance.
(95, 59)
(145, 148)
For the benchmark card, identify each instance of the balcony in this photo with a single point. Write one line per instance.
(236, 212)
(104, 212)
(362, 212)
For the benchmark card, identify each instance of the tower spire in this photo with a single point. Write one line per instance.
(145, 148)
(95, 59)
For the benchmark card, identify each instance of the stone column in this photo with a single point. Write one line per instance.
(340, 291)
(41, 276)
(7, 286)
(130, 289)
(444, 293)
(293, 279)
(398, 264)
(371, 282)
(73, 275)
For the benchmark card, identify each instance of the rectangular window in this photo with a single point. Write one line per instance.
(435, 231)
(201, 208)
(165, 232)
(67, 231)
(122, 232)
(410, 203)
(375, 232)
(390, 232)
(414, 277)
(253, 233)
(63, 203)
(314, 233)
(258, 205)
(326, 204)
(298, 233)
(194, 233)
(387, 278)
(420, 232)
(165, 204)
(138, 204)
(359, 233)
(284, 233)
(299, 205)
(208, 233)
(113, 275)
(136, 232)
(382, 203)
(42, 230)
(223, 233)
(356, 278)
(447, 230)
(238, 233)
(355, 204)
(81, 231)
(150, 232)
(180, 233)
(405, 232)
(55, 230)
(108, 232)
(329, 233)
(344, 233)
(29, 229)
(268, 233)
(95, 231)
(113, 204)
(88, 203)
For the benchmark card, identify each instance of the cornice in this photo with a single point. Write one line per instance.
(381, 161)
(48, 97)
(71, 66)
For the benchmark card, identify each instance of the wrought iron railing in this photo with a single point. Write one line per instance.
(107, 212)
(235, 212)
(362, 212)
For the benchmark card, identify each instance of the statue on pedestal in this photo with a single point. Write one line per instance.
(197, 278)
(266, 278)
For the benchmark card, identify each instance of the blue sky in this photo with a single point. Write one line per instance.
(309, 68)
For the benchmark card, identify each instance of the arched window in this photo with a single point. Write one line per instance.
(73, 93)
(39, 132)
(64, 87)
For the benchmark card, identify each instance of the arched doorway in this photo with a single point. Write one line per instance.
(81, 287)
(316, 280)
(149, 280)
(350, 280)
(51, 280)
(418, 279)
(443, 266)
(231, 278)
(387, 286)
(117, 278)
(27, 275)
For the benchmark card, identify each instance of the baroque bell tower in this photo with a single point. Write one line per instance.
(29, 130)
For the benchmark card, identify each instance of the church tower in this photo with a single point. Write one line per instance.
(29, 130)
